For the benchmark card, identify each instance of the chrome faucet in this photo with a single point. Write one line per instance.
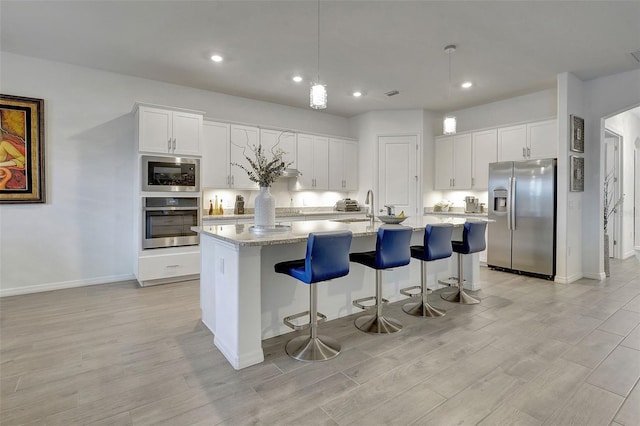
(390, 209)
(369, 201)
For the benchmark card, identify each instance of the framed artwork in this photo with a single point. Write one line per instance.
(576, 183)
(22, 176)
(577, 133)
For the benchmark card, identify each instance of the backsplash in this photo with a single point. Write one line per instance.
(280, 190)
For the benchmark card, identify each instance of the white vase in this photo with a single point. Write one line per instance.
(265, 211)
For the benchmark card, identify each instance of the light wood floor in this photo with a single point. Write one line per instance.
(532, 353)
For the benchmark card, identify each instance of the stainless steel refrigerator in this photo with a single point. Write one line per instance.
(522, 204)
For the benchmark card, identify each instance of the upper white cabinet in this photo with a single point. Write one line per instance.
(313, 162)
(528, 141)
(285, 140)
(215, 162)
(343, 165)
(169, 131)
(243, 140)
(453, 162)
(485, 151)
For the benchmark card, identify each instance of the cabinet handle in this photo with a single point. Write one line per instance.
(228, 180)
(528, 152)
(524, 152)
(233, 180)
(174, 144)
(473, 181)
(454, 182)
(169, 145)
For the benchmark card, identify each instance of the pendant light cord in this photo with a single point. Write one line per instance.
(318, 63)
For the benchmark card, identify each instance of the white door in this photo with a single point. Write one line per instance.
(443, 163)
(336, 164)
(611, 156)
(215, 155)
(462, 160)
(542, 139)
(512, 143)
(243, 142)
(398, 174)
(485, 152)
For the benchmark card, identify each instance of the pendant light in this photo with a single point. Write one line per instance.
(318, 93)
(449, 123)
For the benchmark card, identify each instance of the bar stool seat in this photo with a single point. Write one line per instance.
(436, 245)
(472, 242)
(392, 250)
(327, 258)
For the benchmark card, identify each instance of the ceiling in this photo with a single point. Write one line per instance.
(506, 48)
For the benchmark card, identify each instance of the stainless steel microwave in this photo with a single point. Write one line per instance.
(170, 174)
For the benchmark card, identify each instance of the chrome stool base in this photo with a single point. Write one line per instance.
(306, 348)
(459, 296)
(377, 324)
(420, 309)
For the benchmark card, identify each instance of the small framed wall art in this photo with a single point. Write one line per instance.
(577, 173)
(577, 133)
(22, 175)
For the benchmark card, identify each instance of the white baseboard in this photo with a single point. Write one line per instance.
(38, 288)
(567, 280)
(628, 254)
(596, 276)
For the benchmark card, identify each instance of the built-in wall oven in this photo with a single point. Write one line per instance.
(167, 221)
(170, 174)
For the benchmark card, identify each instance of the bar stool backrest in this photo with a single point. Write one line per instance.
(392, 246)
(327, 256)
(437, 241)
(473, 237)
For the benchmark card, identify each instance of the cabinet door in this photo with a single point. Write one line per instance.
(336, 164)
(187, 133)
(215, 155)
(443, 164)
(350, 166)
(243, 141)
(542, 139)
(512, 143)
(154, 130)
(485, 151)
(321, 162)
(462, 161)
(305, 162)
(284, 140)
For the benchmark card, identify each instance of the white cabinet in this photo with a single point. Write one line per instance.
(313, 162)
(215, 162)
(168, 266)
(528, 141)
(453, 162)
(284, 140)
(169, 131)
(485, 151)
(243, 140)
(343, 165)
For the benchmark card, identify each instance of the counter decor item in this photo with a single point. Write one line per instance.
(442, 206)
(264, 172)
(392, 220)
(22, 175)
(610, 206)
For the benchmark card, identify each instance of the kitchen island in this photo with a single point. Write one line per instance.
(243, 300)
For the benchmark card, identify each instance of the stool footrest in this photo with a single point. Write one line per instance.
(406, 291)
(357, 303)
(451, 281)
(287, 320)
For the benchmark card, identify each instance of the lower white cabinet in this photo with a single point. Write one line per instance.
(168, 266)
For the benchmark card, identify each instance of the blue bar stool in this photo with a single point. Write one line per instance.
(327, 258)
(472, 242)
(392, 250)
(437, 245)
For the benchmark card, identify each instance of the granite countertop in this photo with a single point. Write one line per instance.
(240, 234)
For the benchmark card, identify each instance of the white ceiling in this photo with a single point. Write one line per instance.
(506, 48)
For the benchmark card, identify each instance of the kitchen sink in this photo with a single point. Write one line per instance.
(351, 219)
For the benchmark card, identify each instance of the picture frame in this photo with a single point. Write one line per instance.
(22, 155)
(576, 181)
(577, 133)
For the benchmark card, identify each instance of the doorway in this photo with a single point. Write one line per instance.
(399, 182)
(612, 151)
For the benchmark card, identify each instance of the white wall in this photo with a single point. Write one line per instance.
(366, 128)
(626, 124)
(531, 107)
(83, 234)
(603, 97)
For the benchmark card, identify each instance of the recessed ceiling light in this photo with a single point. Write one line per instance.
(466, 84)
(357, 94)
(297, 79)
(216, 58)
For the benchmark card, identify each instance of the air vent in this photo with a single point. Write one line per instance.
(395, 92)
(636, 55)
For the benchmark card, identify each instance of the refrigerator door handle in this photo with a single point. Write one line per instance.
(512, 207)
(509, 205)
